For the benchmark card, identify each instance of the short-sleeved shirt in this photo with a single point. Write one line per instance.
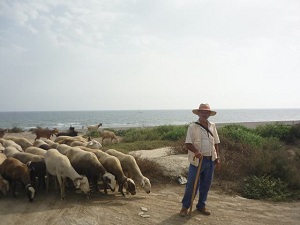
(202, 141)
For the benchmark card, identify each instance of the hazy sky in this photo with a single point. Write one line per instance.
(155, 54)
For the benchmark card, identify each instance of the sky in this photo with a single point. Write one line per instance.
(149, 54)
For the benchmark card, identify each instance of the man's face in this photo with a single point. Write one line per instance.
(204, 114)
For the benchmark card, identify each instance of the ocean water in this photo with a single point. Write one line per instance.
(138, 118)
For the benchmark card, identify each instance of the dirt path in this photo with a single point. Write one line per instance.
(163, 205)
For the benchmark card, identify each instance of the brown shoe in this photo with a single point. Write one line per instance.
(183, 212)
(204, 211)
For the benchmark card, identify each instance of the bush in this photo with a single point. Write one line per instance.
(15, 130)
(265, 187)
(276, 130)
(167, 132)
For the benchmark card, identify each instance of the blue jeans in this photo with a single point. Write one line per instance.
(203, 185)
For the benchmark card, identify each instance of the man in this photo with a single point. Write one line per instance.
(202, 141)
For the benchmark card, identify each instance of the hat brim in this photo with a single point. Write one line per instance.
(196, 111)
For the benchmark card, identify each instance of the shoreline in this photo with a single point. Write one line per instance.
(259, 123)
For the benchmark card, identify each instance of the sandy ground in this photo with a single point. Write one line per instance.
(162, 204)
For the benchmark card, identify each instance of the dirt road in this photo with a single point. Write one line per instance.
(163, 205)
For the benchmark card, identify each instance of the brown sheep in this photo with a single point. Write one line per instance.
(15, 171)
(108, 134)
(46, 133)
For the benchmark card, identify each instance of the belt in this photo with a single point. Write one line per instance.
(206, 157)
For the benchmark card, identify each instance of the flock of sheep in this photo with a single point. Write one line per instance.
(80, 160)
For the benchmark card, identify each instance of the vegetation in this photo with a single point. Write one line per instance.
(264, 162)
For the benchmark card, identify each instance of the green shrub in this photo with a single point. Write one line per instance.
(93, 134)
(265, 187)
(16, 130)
(242, 135)
(166, 132)
(277, 130)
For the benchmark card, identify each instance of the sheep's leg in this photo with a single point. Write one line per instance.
(13, 188)
(62, 186)
(47, 184)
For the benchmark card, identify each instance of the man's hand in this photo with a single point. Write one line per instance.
(218, 163)
(198, 154)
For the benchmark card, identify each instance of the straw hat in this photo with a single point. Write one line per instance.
(204, 107)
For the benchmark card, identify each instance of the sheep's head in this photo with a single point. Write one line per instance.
(129, 185)
(110, 181)
(146, 185)
(30, 192)
(82, 183)
(94, 144)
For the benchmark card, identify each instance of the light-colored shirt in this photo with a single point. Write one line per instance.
(202, 141)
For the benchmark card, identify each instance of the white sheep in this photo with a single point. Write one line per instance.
(36, 151)
(59, 165)
(7, 143)
(88, 164)
(68, 139)
(63, 148)
(131, 169)
(90, 144)
(108, 135)
(94, 127)
(23, 142)
(41, 144)
(26, 157)
(10, 151)
(113, 166)
(51, 143)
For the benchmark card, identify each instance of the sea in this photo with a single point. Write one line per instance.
(138, 118)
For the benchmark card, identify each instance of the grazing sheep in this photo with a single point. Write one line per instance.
(4, 185)
(113, 166)
(10, 151)
(45, 133)
(25, 157)
(59, 165)
(36, 151)
(68, 140)
(85, 163)
(41, 144)
(37, 170)
(90, 144)
(94, 127)
(108, 135)
(23, 142)
(3, 132)
(51, 143)
(7, 143)
(131, 169)
(63, 148)
(15, 171)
